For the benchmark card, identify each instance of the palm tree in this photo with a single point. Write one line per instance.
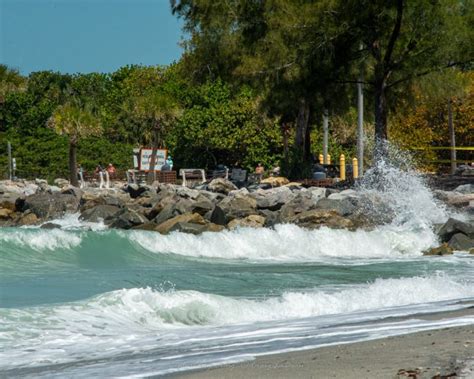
(76, 123)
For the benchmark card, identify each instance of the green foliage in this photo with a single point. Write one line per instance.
(221, 128)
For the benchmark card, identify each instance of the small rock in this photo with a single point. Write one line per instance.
(5, 213)
(444, 249)
(221, 185)
(28, 219)
(194, 218)
(50, 225)
(275, 181)
(252, 221)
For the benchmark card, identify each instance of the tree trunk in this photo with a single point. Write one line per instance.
(302, 142)
(381, 111)
(325, 136)
(452, 138)
(73, 163)
(285, 133)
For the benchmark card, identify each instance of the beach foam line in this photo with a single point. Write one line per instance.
(291, 243)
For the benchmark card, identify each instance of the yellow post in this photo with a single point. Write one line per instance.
(355, 168)
(321, 159)
(342, 167)
(329, 159)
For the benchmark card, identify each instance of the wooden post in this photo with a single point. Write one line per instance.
(342, 167)
(325, 137)
(355, 168)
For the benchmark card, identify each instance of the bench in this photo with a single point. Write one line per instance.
(192, 174)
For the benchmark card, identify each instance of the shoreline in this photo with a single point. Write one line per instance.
(424, 354)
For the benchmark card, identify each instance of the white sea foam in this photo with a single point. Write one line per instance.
(65, 333)
(40, 239)
(291, 243)
(71, 221)
(144, 309)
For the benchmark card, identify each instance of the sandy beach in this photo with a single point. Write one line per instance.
(443, 353)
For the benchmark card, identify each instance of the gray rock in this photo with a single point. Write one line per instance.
(302, 202)
(193, 218)
(460, 241)
(47, 206)
(453, 226)
(99, 213)
(218, 216)
(60, 182)
(465, 188)
(168, 212)
(273, 199)
(238, 207)
(50, 225)
(349, 193)
(317, 217)
(345, 207)
(271, 217)
(125, 219)
(221, 185)
(188, 227)
(135, 190)
(318, 192)
(72, 191)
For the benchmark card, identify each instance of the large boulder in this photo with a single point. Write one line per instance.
(99, 213)
(302, 202)
(238, 207)
(273, 199)
(221, 185)
(345, 206)
(218, 216)
(460, 241)
(452, 227)
(317, 217)
(192, 218)
(252, 221)
(51, 205)
(200, 204)
(125, 219)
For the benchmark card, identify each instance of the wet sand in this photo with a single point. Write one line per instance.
(442, 352)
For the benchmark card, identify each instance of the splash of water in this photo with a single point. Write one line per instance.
(394, 182)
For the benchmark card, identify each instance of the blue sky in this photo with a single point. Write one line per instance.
(87, 35)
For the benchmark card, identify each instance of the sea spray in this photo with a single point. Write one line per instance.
(401, 190)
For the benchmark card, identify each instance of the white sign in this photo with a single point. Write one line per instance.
(145, 159)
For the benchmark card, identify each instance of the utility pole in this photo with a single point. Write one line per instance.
(325, 136)
(10, 165)
(360, 127)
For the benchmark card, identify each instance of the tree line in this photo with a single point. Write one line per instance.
(253, 84)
